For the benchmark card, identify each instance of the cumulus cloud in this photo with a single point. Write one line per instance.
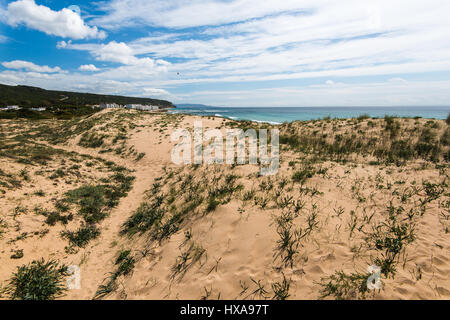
(29, 66)
(115, 52)
(132, 66)
(64, 23)
(88, 67)
(63, 44)
(156, 92)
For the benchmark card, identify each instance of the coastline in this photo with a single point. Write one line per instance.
(278, 116)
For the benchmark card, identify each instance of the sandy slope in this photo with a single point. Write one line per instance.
(239, 238)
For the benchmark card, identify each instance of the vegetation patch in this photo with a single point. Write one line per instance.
(39, 280)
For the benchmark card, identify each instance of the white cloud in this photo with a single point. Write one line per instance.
(94, 83)
(239, 41)
(115, 52)
(294, 39)
(183, 14)
(273, 41)
(156, 92)
(29, 66)
(387, 93)
(63, 44)
(64, 23)
(88, 67)
(132, 67)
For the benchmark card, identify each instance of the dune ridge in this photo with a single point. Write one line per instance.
(349, 194)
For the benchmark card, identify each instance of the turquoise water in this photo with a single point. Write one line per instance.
(277, 115)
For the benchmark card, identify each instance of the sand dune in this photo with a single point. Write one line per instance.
(224, 232)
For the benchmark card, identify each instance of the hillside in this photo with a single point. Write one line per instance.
(26, 96)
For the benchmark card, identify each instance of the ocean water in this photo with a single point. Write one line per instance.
(277, 115)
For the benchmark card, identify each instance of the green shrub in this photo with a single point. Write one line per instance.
(125, 263)
(303, 175)
(143, 219)
(364, 116)
(38, 280)
(82, 236)
(91, 140)
(91, 200)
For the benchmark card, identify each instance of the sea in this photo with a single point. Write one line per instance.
(278, 115)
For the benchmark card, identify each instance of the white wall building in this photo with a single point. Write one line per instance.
(109, 106)
(141, 107)
(13, 108)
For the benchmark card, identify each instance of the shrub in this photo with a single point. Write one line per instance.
(143, 219)
(364, 116)
(82, 236)
(91, 140)
(303, 175)
(125, 263)
(91, 200)
(38, 280)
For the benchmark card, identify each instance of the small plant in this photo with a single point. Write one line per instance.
(39, 193)
(146, 217)
(140, 156)
(281, 289)
(18, 254)
(24, 174)
(287, 244)
(344, 286)
(302, 175)
(82, 236)
(364, 116)
(339, 211)
(53, 217)
(125, 263)
(187, 259)
(260, 290)
(391, 238)
(38, 280)
(212, 205)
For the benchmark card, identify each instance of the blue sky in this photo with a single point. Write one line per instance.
(233, 52)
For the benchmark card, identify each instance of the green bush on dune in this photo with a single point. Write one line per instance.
(38, 280)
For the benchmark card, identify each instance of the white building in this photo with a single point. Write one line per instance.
(109, 106)
(13, 108)
(39, 109)
(141, 107)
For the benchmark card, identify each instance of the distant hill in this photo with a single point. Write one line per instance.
(25, 96)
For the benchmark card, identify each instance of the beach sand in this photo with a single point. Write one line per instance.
(337, 215)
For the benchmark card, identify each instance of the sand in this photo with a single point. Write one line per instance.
(238, 240)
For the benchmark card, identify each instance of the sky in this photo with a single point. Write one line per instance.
(233, 52)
